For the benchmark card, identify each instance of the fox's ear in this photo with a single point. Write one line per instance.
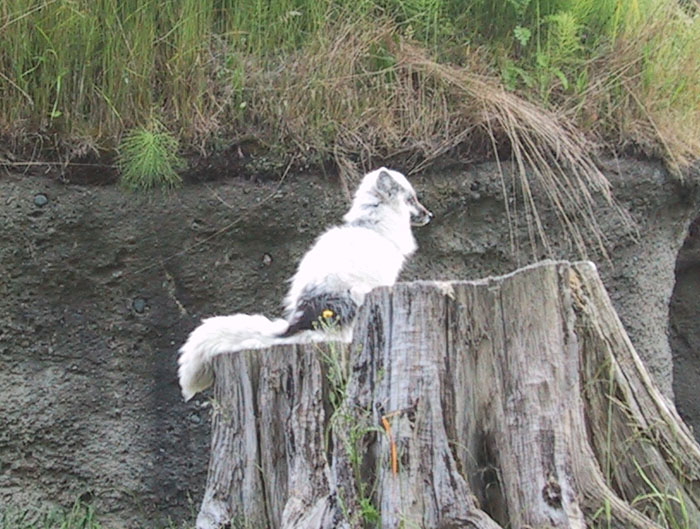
(386, 185)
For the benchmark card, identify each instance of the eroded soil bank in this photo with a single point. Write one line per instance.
(99, 288)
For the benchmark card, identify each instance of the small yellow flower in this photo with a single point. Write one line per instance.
(328, 314)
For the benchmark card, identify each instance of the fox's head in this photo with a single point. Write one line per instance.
(391, 189)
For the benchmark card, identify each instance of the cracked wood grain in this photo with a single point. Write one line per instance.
(514, 401)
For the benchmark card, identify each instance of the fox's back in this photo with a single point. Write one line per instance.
(348, 258)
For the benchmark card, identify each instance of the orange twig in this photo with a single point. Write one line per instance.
(392, 444)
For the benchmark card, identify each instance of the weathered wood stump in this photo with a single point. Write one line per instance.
(514, 401)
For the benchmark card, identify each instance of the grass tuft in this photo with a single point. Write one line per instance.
(148, 159)
(80, 516)
(352, 428)
(665, 507)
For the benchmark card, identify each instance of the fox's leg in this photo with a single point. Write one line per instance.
(313, 312)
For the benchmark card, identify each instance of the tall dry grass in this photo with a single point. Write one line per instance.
(650, 86)
(321, 79)
(544, 82)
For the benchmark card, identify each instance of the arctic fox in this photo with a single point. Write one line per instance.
(347, 261)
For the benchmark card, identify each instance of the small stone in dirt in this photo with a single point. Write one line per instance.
(40, 199)
(139, 305)
(267, 259)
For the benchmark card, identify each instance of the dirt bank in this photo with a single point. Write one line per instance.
(99, 287)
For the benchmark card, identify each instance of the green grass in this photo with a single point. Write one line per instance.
(148, 158)
(349, 80)
(352, 428)
(666, 508)
(80, 516)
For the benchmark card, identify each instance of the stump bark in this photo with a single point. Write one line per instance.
(514, 401)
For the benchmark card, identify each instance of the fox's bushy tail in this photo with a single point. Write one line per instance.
(219, 335)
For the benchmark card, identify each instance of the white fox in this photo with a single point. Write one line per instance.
(347, 261)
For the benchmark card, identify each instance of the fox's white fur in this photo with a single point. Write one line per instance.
(347, 261)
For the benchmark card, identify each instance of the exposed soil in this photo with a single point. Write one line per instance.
(99, 287)
(685, 329)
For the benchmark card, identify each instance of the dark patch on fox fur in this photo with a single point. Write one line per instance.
(365, 222)
(308, 314)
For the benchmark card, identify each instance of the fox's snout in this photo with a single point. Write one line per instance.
(422, 217)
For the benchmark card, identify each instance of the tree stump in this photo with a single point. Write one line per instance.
(514, 401)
